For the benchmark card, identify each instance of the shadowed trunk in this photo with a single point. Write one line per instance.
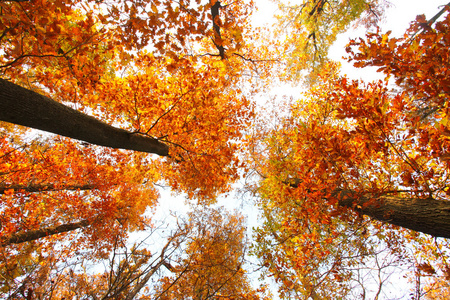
(427, 215)
(217, 37)
(34, 188)
(24, 107)
(32, 235)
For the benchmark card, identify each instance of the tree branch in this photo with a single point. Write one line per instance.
(25, 107)
(31, 235)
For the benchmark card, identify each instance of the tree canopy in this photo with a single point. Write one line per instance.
(376, 150)
(350, 178)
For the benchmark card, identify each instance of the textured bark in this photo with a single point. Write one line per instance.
(34, 188)
(24, 107)
(32, 235)
(217, 37)
(427, 215)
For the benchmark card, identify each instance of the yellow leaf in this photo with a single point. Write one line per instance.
(154, 8)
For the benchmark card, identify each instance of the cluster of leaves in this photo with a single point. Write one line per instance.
(80, 37)
(181, 93)
(364, 146)
(177, 72)
(59, 185)
(152, 68)
(189, 265)
(309, 29)
(212, 266)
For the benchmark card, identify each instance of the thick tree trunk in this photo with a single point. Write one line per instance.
(24, 107)
(34, 188)
(428, 215)
(32, 235)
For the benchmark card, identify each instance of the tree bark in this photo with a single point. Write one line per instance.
(32, 235)
(34, 188)
(427, 215)
(24, 107)
(217, 37)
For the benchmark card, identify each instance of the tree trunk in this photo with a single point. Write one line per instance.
(32, 235)
(34, 188)
(24, 107)
(428, 215)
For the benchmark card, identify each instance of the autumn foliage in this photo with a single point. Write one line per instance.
(350, 178)
(152, 68)
(380, 151)
(309, 28)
